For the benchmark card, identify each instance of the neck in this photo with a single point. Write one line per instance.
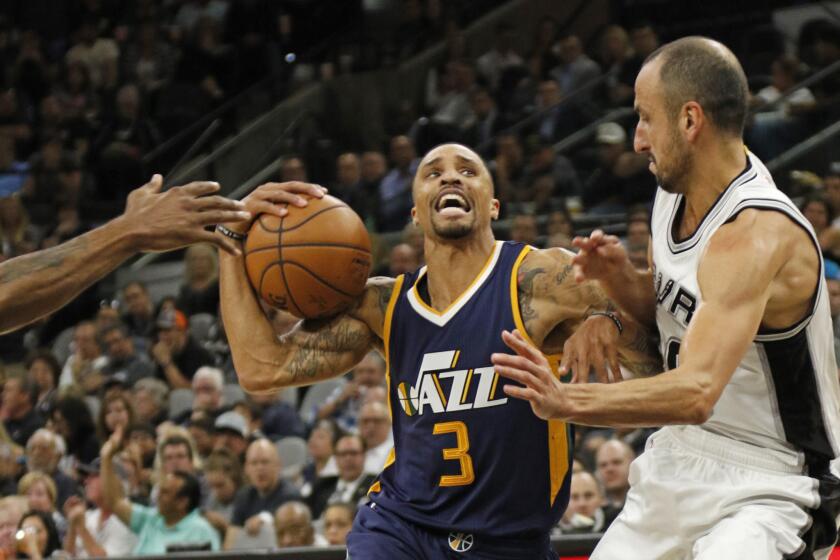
(451, 266)
(171, 520)
(710, 178)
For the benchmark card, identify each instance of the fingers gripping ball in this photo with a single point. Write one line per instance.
(313, 262)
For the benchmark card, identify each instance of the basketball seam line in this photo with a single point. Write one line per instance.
(283, 270)
(293, 245)
(305, 220)
(309, 271)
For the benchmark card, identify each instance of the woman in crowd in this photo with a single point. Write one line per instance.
(200, 290)
(37, 536)
(41, 493)
(116, 411)
(338, 519)
(71, 419)
(321, 462)
(44, 370)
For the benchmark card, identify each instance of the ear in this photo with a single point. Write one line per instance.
(494, 208)
(414, 216)
(693, 120)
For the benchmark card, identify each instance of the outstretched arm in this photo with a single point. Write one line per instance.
(554, 305)
(315, 349)
(739, 273)
(603, 258)
(37, 284)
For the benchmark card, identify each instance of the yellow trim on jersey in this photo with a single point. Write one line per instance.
(439, 390)
(455, 359)
(558, 444)
(493, 388)
(386, 333)
(376, 486)
(467, 387)
(457, 300)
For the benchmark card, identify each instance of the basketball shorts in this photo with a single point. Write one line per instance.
(696, 495)
(379, 534)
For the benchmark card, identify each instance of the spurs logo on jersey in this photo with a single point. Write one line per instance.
(436, 372)
(678, 301)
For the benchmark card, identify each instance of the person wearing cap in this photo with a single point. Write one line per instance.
(621, 179)
(176, 353)
(95, 532)
(124, 363)
(175, 521)
(231, 433)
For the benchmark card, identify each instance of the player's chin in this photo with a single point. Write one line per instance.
(453, 229)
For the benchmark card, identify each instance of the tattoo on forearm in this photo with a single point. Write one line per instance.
(323, 348)
(48, 258)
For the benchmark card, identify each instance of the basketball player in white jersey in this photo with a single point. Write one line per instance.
(750, 397)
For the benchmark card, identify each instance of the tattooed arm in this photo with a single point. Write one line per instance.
(557, 315)
(34, 285)
(314, 350)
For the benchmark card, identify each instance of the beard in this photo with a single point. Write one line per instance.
(453, 230)
(672, 178)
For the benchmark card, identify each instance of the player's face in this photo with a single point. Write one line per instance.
(453, 193)
(656, 133)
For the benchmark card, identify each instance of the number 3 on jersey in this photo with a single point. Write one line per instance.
(459, 453)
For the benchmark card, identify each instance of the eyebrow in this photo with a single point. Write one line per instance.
(432, 162)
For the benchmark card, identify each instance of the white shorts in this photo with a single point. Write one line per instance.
(696, 495)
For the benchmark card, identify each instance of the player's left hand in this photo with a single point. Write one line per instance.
(594, 344)
(530, 368)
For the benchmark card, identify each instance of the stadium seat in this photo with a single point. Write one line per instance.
(232, 394)
(180, 400)
(293, 452)
(316, 395)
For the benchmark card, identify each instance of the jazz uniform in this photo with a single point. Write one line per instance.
(473, 474)
(756, 479)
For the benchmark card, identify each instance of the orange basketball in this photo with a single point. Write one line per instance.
(313, 262)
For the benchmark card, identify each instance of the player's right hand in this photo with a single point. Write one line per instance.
(599, 257)
(272, 198)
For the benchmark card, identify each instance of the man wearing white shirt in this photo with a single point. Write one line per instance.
(352, 483)
(95, 532)
(375, 429)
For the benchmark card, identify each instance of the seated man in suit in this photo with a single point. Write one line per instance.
(352, 483)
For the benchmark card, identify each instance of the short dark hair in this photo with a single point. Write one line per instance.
(27, 386)
(355, 436)
(694, 70)
(190, 489)
(177, 440)
(45, 355)
(53, 540)
(819, 198)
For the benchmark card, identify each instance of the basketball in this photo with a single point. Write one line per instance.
(313, 262)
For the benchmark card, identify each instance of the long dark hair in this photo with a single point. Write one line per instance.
(79, 421)
(53, 542)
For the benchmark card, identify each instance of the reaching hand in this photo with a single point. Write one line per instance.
(600, 256)
(113, 445)
(253, 524)
(594, 344)
(270, 198)
(530, 368)
(176, 218)
(74, 510)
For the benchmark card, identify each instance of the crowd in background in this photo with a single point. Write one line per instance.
(200, 463)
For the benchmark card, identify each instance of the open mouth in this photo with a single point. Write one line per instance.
(452, 204)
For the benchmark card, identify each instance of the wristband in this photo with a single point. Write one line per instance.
(228, 233)
(611, 315)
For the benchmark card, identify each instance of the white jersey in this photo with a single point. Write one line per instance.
(784, 395)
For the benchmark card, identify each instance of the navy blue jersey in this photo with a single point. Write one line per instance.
(466, 457)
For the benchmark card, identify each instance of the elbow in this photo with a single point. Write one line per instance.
(703, 402)
(256, 378)
(699, 413)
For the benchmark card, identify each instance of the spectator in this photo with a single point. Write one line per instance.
(395, 188)
(546, 162)
(481, 131)
(293, 169)
(115, 413)
(265, 493)
(95, 532)
(200, 291)
(413, 235)
(139, 311)
(403, 259)
(293, 526)
(452, 111)
(224, 476)
(818, 211)
(42, 455)
(12, 509)
(176, 521)
(231, 433)
(177, 354)
(207, 384)
(614, 50)
(576, 69)
(373, 170)
(99, 55)
(149, 61)
(139, 460)
(638, 232)
(348, 174)
(176, 452)
(41, 493)
(54, 183)
(375, 429)
(16, 233)
(321, 462)
(44, 370)
(508, 167)
(10, 466)
(613, 463)
(352, 483)
(344, 404)
(338, 520)
(202, 431)
(20, 417)
(560, 221)
(71, 419)
(542, 56)
(40, 536)
(123, 360)
(622, 179)
(492, 64)
(150, 398)
(524, 229)
(279, 417)
(85, 364)
(586, 512)
(644, 40)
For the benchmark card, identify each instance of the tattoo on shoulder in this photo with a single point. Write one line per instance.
(48, 258)
(525, 281)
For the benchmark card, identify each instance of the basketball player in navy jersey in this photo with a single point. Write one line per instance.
(751, 399)
(473, 473)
